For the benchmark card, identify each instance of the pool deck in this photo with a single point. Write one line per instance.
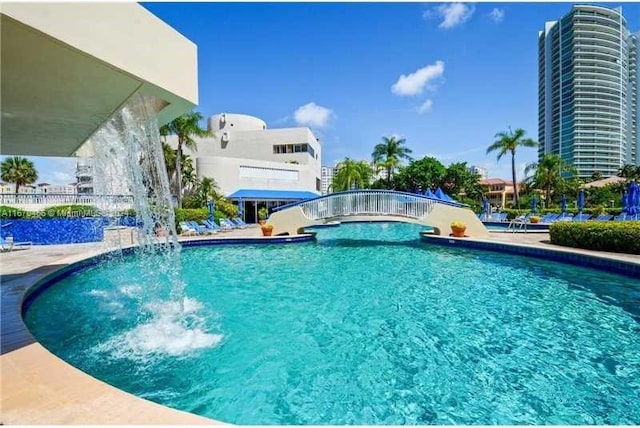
(40, 389)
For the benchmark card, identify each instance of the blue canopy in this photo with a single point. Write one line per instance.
(563, 204)
(634, 198)
(534, 204)
(580, 200)
(210, 207)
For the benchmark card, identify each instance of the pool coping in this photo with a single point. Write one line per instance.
(610, 262)
(40, 388)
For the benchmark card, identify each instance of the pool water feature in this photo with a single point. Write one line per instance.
(367, 325)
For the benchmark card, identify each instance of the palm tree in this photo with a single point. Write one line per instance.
(18, 170)
(509, 142)
(549, 173)
(389, 154)
(351, 174)
(185, 127)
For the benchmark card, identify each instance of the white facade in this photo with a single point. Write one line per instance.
(59, 189)
(244, 154)
(481, 171)
(326, 178)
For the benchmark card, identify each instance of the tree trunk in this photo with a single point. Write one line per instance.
(548, 196)
(516, 198)
(179, 172)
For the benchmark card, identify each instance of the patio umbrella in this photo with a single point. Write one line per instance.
(580, 200)
(429, 194)
(534, 204)
(210, 206)
(634, 198)
(563, 204)
(625, 202)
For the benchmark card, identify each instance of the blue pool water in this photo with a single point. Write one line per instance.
(368, 325)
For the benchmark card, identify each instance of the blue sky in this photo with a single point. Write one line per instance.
(444, 76)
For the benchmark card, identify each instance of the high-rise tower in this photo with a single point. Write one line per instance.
(588, 90)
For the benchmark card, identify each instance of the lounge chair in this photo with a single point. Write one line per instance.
(200, 229)
(565, 217)
(239, 222)
(210, 226)
(602, 217)
(227, 224)
(7, 244)
(549, 218)
(187, 229)
(582, 217)
(621, 217)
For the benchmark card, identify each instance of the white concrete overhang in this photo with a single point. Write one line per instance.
(66, 68)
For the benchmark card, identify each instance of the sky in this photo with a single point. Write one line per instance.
(446, 77)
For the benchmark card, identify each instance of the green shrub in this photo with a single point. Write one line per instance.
(14, 213)
(64, 211)
(618, 237)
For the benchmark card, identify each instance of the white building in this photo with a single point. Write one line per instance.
(256, 166)
(326, 178)
(481, 171)
(57, 189)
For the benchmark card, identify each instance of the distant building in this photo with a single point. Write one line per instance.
(481, 171)
(498, 191)
(326, 178)
(589, 89)
(84, 175)
(59, 189)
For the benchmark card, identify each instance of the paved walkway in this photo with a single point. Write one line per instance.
(39, 388)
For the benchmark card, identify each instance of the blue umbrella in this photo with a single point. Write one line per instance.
(534, 204)
(429, 194)
(211, 205)
(563, 204)
(625, 202)
(634, 198)
(580, 200)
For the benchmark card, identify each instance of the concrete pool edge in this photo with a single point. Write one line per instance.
(40, 388)
(610, 262)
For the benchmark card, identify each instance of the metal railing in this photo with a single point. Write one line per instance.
(64, 199)
(368, 202)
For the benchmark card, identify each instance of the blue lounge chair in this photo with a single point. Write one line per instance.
(582, 217)
(565, 217)
(200, 229)
(549, 218)
(602, 217)
(621, 217)
(187, 229)
(239, 222)
(210, 226)
(227, 224)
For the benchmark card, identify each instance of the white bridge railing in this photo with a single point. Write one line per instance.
(34, 201)
(368, 202)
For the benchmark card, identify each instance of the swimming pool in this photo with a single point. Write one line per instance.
(367, 325)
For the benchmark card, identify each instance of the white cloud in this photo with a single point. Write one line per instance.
(416, 82)
(60, 177)
(425, 107)
(313, 115)
(452, 14)
(497, 15)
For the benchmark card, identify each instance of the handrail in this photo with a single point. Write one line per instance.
(370, 192)
(368, 202)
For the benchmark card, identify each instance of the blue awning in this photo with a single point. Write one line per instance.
(272, 195)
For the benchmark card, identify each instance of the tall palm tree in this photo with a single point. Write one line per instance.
(389, 154)
(185, 127)
(548, 173)
(18, 170)
(351, 174)
(508, 142)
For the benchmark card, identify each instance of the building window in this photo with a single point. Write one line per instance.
(294, 148)
(317, 184)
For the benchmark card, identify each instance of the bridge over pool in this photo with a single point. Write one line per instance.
(375, 205)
